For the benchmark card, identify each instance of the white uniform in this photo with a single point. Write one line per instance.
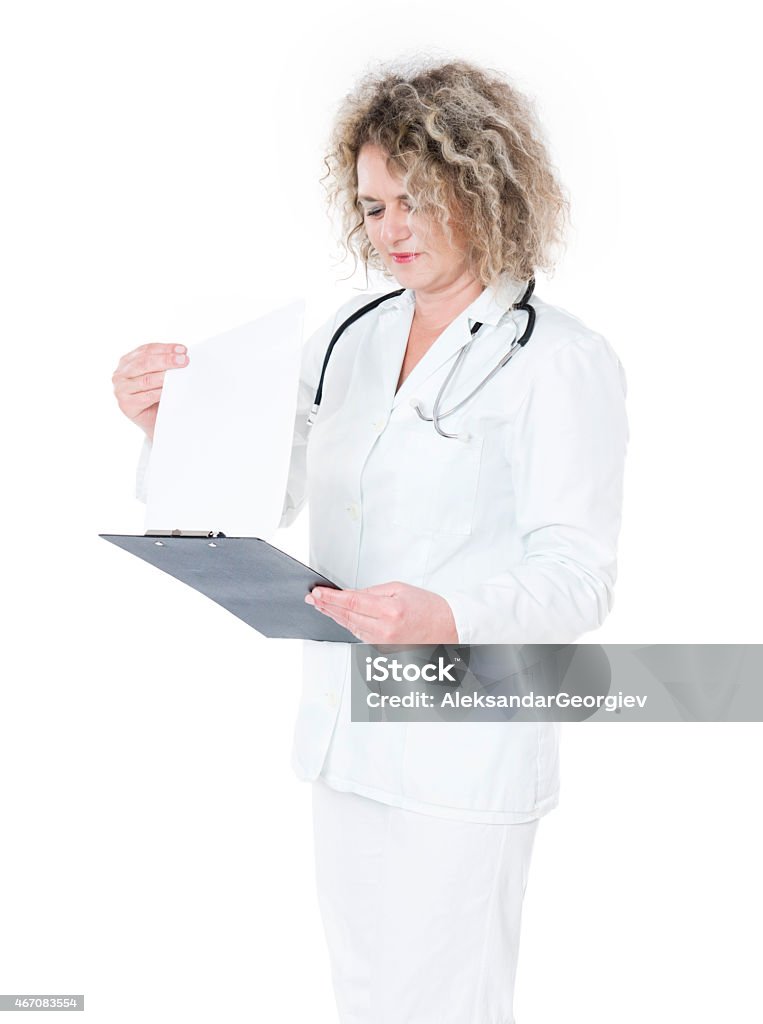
(422, 914)
(515, 524)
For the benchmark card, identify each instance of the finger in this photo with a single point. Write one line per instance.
(150, 358)
(391, 589)
(366, 628)
(146, 382)
(357, 602)
(151, 363)
(357, 625)
(137, 404)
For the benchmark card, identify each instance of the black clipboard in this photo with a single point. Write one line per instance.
(256, 582)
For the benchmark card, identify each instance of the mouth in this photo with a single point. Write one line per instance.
(404, 257)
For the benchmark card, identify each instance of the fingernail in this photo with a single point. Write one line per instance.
(317, 594)
(180, 348)
(309, 599)
(180, 360)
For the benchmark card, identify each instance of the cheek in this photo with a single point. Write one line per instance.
(434, 236)
(372, 231)
(429, 237)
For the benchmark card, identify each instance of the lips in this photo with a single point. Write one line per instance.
(404, 257)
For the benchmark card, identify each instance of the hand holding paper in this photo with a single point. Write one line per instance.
(139, 378)
(223, 432)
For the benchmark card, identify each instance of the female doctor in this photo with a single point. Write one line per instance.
(444, 520)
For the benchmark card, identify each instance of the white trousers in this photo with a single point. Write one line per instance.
(421, 914)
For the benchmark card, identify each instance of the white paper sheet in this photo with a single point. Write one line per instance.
(222, 441)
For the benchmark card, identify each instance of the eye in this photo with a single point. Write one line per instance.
(375, 212)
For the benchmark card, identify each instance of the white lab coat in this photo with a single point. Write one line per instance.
(515, 525)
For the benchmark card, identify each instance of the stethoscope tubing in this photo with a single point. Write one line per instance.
(523, 304)
(516, 344)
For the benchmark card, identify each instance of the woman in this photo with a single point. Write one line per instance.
(503, 532)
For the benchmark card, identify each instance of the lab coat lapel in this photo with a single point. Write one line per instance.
(488, 308)
(378, 374)
(440, 352)
(382, 371)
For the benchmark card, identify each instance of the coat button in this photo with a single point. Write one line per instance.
(331, 699)
(353, 511)
(379, 425)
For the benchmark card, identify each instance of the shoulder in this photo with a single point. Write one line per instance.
(350, 307)
(556, 329)
(562, 340)
(317, 342)
(572, 383)
(375, 302)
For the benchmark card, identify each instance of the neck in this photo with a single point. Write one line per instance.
(440, 306)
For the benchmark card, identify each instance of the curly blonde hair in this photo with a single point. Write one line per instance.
(470, 151)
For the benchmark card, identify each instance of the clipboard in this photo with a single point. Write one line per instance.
(256, 582)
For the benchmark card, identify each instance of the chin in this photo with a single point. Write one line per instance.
(404, 272)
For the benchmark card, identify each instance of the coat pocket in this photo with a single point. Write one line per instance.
(436, 483)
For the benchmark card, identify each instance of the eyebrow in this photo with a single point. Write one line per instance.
(370, 199)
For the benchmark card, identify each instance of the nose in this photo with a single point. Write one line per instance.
(394, 227)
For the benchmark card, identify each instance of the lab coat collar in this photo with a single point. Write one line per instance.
(488, 308)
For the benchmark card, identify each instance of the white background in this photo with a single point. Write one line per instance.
(160, 182)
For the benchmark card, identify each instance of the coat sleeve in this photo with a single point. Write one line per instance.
(313, 353)
(567, 453)
(141, 474)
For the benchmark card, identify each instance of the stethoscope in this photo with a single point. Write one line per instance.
(437, 414)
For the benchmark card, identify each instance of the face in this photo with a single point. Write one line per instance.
(415, 251)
